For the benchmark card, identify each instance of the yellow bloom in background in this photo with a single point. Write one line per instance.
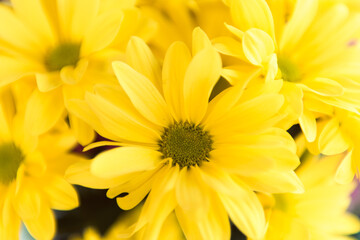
(68, 46)
(202, 160)
(314, 48)
(176, 19)
(320, 212)
(31, 174)
(169, 230)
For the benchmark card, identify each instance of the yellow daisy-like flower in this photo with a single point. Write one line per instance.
(203, 160)
(31, 175)
(169, 230)
(320, 212)
(66, 45)
(314, 48)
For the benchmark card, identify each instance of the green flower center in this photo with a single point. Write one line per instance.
(66, 54)
(10, 160)
(289, 71)
(186, 144)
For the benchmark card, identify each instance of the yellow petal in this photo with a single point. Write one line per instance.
(143, 94)
(61, 195)
(191, 196)
(201, 76)
(331, 139)
(324, 87)
(345, 173)
(240, 74)
(43, 111)
(27, 201)
(101, 33)
(141, 59)
(200, 40)
(173, 77)
(118, 121)
(33, 14)
(136, 189)
(274, 181)
(83, 132)
(253, 114)
(43, 227)
(308, 125)
(79, 173)
(48, 81)
(17, 34)
(241, 203)
(123, 160)
(9, 219)
(82, 110)
(258, 46)
(252, 14)
(73, 75)
(75, 17)
(229, 46)
(297, 25)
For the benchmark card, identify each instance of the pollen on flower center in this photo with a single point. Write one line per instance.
(66, 54)
(186, 144)
(289, 71)
(10, 160)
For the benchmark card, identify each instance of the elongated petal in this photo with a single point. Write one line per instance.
(79, 173)
(141, 59)
(345, 173)
(27, 201)
(200, 40)
(258, 46)
(297, 25)
(241, 204)
(251, 114)
(143, 94)
(75, 17)
(308, 125)
(43, 227)
(60, 193)
(331, 139)
(43, 111)
(229, 46)
(9, 219)
(101, 33)
(176, 61)
(48, 81)
(35, 17)
(119, 122)
(201, 76)
(275, 182)
(252, 14)
(191, 196)
(123, 160)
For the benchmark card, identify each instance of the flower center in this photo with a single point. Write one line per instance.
(10, 160)
(289, 71)
(186, 144)
(66, 54)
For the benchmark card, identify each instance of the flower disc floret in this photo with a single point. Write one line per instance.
(186, 144)
(10, 160)
(66, 54)
(289, 71)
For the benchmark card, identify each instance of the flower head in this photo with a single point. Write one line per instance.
(31, 174)
(202, 160)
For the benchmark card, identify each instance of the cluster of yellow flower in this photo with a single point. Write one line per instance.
(196, 96)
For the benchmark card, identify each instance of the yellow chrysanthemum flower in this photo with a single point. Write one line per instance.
(313, 48)
(66, 45)
(320, 212)
(203, 160)
(31, 175)
(169, 230)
